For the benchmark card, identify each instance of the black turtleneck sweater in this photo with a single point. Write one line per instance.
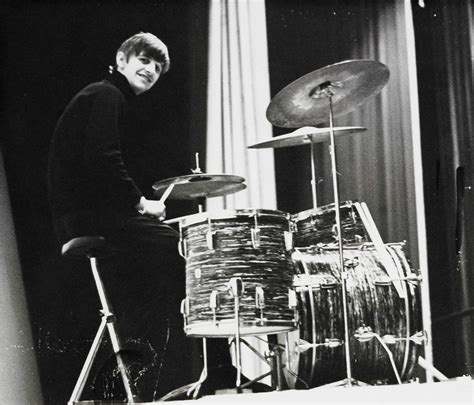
(86, 171)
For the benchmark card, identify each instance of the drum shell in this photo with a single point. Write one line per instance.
(372, 301)
(318, 225)
(234, 255)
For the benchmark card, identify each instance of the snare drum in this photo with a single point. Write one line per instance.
(318, 225)
(373, 303)
(252, 245)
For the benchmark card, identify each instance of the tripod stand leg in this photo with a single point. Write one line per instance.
(197, 385)
(129, 388)
(108, 317)
(434, 371)
(86, 368)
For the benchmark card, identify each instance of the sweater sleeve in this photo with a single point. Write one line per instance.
(102, 149)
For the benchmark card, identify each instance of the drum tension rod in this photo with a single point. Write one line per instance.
(260, 303)
(255, 233)
(210, 235)
(214, 305)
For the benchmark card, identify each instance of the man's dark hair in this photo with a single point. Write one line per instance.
(149, 45)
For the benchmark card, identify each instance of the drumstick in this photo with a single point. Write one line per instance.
(166, 193)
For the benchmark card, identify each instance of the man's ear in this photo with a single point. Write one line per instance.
(120, 59)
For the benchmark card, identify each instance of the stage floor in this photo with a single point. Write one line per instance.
(456, 391)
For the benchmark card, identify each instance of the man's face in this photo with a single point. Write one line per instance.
(141, 71)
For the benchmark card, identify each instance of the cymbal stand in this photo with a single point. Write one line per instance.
(201, 204)
(236, 289)
(313, 176)
(194, 388)
(325, 90)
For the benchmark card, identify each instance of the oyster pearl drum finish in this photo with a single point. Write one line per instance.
(251, 244)
(318, 225)
(373, 306)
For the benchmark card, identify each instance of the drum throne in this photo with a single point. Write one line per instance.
(95, 248)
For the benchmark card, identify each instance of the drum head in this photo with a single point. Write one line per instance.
(229, 214)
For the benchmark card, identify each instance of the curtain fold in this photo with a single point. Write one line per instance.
(238, 95)
(444, 47)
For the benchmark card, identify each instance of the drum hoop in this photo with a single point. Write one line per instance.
(350, 246)
(300, 216)
(229, 214)
(247, 327)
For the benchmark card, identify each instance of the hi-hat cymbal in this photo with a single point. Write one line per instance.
(200, 185)
(306, 135)
(305, 102)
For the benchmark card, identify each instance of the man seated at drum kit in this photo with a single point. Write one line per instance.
(240, 265)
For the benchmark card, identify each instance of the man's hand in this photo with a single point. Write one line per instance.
(151, 207)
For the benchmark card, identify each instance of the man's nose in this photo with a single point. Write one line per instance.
(150, 68)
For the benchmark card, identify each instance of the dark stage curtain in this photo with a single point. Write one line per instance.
(444, 43)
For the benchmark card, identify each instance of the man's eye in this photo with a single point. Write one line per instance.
(145, 61)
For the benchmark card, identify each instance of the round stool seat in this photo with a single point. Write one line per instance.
(87, 246)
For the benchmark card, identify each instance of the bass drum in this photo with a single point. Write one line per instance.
(316, 352)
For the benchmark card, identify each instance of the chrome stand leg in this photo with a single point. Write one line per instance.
(86, 368)
(236, 288)
(108, 320)
(196, 387)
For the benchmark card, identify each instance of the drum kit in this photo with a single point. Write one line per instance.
(339, 305)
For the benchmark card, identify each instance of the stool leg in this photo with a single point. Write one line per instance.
(86, 368)
(107, 314)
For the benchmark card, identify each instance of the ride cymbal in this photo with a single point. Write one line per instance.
(305, 136)
(305, 101)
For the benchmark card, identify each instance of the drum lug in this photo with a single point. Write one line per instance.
(383, 283)
(185, 310)
(255, 238)
(334, 233)
(259, 298)
(260, 303)
(351, 263)
(255, 232)
(289, 240)
(182, 249)
(214, 305)
(329, 286)
(211, 239)
(419, 338)
(332, 343)
(293, 227)
(303, 345)
(352, 215)
(236, 287)
(293, 303)
(364, 334)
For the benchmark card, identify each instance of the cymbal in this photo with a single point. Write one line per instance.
(305, 136)
(200, 185)
(303, 102)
